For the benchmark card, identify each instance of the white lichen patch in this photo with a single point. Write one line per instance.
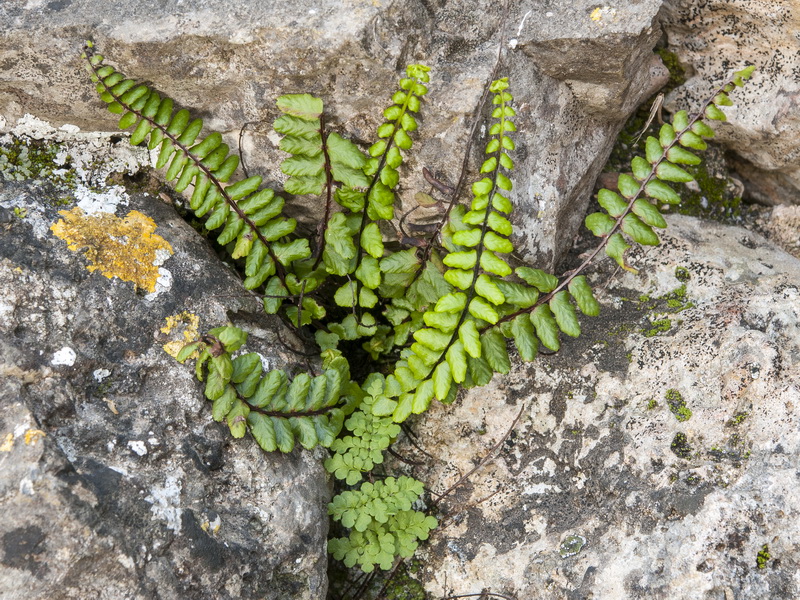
(166, 501)
(107, 201)
(138, 446)
(100, 374)
(64, 357)
(163, 283)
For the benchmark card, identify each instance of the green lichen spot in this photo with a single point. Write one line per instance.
(763, 557)
(651, 404)
(680, 446)
(23, 159)
(682, 274)
(677, 405)
(737, 419)
(571, 545)
(658, 326)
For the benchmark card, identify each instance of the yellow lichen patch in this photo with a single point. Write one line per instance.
(8, 443)
(33, 435)
(189, 323)
(125, 248)
(601, 14)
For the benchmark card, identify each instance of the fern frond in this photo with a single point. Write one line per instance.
(448, 350)
(251, 218)
(382, 521)
(630, 212)
(277, 412)
(394, 136)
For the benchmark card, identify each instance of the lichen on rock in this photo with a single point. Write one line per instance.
(126, 248)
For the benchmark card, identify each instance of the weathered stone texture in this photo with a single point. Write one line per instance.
(713, 37)
(115, 481)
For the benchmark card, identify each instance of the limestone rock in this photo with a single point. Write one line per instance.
(229, 61)
(115, 482)
(655, 456)
(782, 225)
(713, 37)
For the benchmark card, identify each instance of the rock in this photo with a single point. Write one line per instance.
(115, 482)
(713, 37)
(655, 456)
(229, 61)
(783, 228)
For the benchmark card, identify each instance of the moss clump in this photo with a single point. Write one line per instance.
(677, 300)
(763, 557)
(677, 405)
(680, 446)
(737, 419)
(658, 326)
(677, 73)
(651, 404)
(682, 274)
(24, 160)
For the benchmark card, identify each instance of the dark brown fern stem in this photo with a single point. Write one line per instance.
(328, 195)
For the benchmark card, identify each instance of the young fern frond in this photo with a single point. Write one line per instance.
(382, 521)
(393, 133)
(447, 348)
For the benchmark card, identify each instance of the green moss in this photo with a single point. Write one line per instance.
(651, 404)
(677, 405)
(25, 160)
(682, 274)
(763, 557)
(677, 300)
(658, 326)
(680, 446)
(677, 73)
(404, 587)
(737, 419)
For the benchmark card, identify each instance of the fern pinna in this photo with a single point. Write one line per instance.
(442, 316)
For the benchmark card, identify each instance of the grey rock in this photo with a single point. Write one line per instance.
(714, 37)
(115, 482)
(605, 488)
(229, 61)
(782, 225)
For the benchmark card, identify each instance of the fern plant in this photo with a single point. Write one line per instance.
(441, 311)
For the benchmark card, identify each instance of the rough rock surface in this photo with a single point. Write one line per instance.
(115, 481)
(711, 37)
(783, 227)
(655, 457)
(228, 61)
